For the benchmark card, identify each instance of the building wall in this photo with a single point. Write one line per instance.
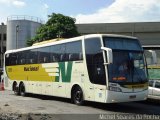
(2, 43)
(147, 32)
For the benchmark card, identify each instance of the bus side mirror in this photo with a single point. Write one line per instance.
(109, 55)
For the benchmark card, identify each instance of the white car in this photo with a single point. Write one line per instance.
(154, 89)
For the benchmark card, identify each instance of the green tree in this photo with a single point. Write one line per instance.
(57, 26)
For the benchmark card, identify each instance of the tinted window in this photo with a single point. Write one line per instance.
(95, 63)
(57, 53)
(21, 58)
(74, 51)
(32, 56)
(122, 43)
(44, 55)
(157, 84)
(7, 60)
(151, 83)
(11, 59)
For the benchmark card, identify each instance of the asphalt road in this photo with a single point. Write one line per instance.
(34, 106)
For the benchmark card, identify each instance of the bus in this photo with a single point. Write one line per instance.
(152, 53)
(102, 68)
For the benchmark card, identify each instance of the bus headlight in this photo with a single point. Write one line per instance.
(117, 89)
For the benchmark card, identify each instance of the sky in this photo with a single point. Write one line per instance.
(85, 11)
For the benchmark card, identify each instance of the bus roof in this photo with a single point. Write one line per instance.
(54, 42)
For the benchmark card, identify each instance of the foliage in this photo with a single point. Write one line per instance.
(57, 26)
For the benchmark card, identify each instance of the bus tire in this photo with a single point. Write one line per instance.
(22, 89)
(15, 88)
(77, 96)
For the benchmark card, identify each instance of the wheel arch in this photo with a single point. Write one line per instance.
(73, 88)
(22, 89)
(14, 83)
(21, 83)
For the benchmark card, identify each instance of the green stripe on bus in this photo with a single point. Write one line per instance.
(65, 73)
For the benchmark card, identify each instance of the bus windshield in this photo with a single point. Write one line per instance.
(128, 62)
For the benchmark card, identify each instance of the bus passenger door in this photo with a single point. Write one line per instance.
(99, 78)
(96, 72)
(89, 88)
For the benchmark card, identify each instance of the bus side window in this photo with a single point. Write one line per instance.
(80, 56)
(45, 59)
(53, 58)
(62, 58)
(57, 52)
(22, 61)
(74, 50)
(44, 55)
(151, 83)
(70, 57)
(7, 56)
(32, 61)
(157, 84)
(27, 59)
(21, 57)
(13, 59)
(32, 56)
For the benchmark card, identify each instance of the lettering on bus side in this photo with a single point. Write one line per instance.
(65, 70)
(30, 68)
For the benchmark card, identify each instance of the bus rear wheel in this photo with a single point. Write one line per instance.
(77, 96)
(22, 89)
(15, 89)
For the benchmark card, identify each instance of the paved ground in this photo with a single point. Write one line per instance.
(45, 107)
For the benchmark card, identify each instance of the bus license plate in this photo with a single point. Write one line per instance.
(132, 96)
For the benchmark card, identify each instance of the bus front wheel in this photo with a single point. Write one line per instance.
(22, 89)
(77, 96)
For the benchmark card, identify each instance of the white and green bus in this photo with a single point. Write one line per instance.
(99, 67)
(152, 53)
